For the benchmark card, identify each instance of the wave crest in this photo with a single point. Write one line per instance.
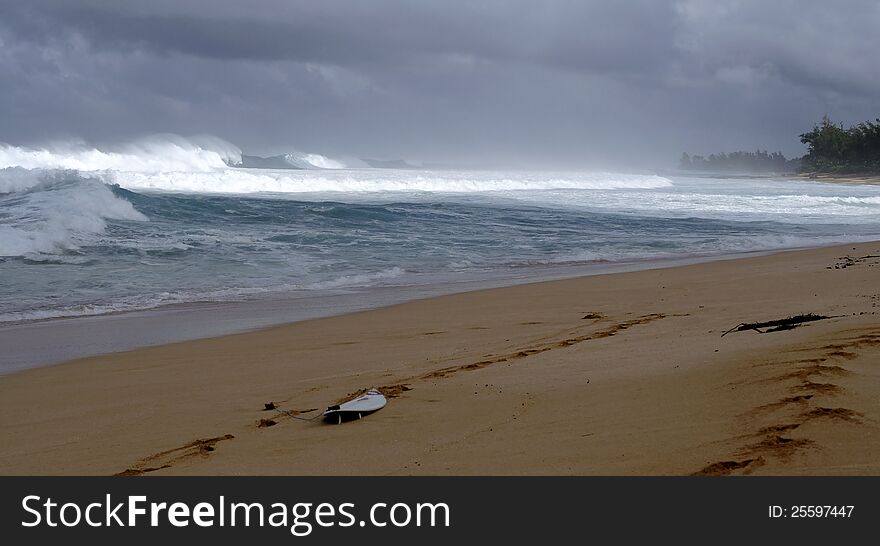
(313, 161)
(160, 153)
(57, 211)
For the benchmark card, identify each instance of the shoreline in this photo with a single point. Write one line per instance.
(868, 179)
(616, 374)
(831, 178)
(53, 341)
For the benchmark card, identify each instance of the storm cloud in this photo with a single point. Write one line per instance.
(567, 83)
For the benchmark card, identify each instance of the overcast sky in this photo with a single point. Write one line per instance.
(550, 82)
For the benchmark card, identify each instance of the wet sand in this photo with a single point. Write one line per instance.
(619, 374)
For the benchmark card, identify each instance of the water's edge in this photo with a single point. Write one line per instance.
(55, 341)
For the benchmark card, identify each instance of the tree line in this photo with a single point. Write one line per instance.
(757, 161)
(831, 148)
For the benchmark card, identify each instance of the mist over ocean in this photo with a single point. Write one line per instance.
(85, 231)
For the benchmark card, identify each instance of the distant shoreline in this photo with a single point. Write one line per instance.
(855, 178)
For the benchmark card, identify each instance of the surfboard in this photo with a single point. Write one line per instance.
(356, 408)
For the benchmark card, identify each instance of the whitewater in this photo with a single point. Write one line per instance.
(88, 230)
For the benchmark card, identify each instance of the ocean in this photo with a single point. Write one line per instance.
(86, 231)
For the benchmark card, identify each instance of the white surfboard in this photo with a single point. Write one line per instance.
(368, 402)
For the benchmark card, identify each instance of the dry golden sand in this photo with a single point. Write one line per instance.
(615, 374)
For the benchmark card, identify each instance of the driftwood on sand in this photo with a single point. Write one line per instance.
(776, 325)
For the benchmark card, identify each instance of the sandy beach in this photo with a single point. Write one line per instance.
(619, 374)
(871, 179)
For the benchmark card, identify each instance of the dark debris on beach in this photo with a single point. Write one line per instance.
(777, 325)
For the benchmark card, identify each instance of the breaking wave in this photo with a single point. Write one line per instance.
(206, 164)
(371, 180)
(56, 211)
(166, 220)
(164, 153)
(312, 161)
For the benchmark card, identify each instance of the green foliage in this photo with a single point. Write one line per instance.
(742, 162)
(833, 149)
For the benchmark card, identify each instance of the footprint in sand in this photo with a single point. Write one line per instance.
(166, 459)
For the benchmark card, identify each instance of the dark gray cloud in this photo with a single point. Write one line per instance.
(572, 82)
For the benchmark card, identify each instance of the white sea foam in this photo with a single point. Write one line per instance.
(245, 181)
(160, 153)
(155, 154)
(66, 212)
(580, 256)
(17, 179)
(781, 201)
(365, 279)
